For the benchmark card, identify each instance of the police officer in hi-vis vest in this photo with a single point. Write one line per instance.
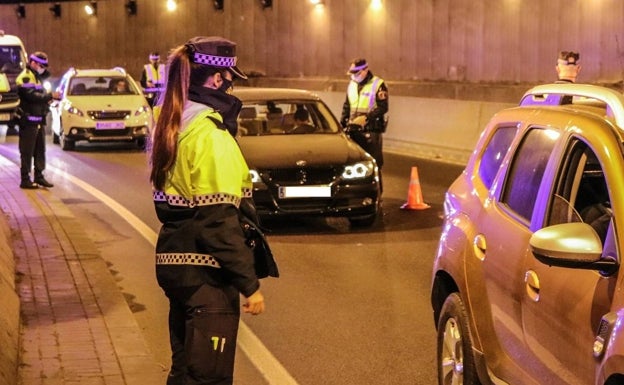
(201, 184)
(34, 107)
(153, 78)
(364, 110)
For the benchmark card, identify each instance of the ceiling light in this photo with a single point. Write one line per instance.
(171, 5)
(131, 6)
(20, 11)
(91, 8)
(56, 9)
(266, 3)
(218, 5)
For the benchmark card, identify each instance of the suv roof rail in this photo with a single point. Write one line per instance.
(554, 94)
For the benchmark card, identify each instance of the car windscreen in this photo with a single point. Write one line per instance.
(101, 85)
(12, 59)
(286, 117)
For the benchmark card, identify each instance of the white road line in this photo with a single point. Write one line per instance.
(250, 344)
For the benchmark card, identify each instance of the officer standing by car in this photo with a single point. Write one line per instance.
(568, 67)
(153, 78)
(364, 110)
(34, 108)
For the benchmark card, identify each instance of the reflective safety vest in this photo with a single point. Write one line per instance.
(27, 78)
(155, 75)
(364, 101)
(209, 167)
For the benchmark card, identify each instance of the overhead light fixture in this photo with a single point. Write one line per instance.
(318, 3)
(20, 11)
(91, 8)
(266, 3)
(171, 5)
(218, 5)
(131, 6)
(56, 9)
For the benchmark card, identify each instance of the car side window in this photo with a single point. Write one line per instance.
(527, 169)
(494, 153)
(582, 193)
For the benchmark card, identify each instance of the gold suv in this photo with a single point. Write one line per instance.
(526, 286)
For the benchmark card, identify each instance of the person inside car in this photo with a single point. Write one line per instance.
(120, 87)
(302, 125)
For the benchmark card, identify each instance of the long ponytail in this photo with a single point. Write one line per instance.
(165, 138)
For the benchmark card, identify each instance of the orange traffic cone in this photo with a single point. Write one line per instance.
(414, 194)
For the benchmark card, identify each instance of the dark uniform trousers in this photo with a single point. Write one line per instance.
(371, 142)
(203, 327)
(32, 146)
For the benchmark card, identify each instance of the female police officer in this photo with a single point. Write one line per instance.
(199, 177)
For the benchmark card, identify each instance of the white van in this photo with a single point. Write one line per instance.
(12, 63)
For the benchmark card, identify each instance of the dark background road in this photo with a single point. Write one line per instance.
(351, 306)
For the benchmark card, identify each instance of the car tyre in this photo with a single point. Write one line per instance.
(66, 144)
(455, 360)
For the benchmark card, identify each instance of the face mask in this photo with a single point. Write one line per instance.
(226, 86)
(357, 78)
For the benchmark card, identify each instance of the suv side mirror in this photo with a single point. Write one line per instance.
(572, 245)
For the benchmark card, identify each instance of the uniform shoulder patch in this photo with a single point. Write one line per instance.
(382, 95)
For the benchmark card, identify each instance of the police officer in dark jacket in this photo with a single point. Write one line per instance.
(34, 102)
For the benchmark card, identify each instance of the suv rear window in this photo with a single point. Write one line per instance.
(494, 154)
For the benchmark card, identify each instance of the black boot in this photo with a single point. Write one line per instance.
(28, 184)
(41, 181)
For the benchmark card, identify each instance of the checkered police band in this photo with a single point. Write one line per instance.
(216, 61)
(40, 60)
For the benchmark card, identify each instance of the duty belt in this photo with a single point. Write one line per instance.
(187, 259)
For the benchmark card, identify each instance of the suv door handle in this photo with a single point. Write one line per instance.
(532, 285)
(479, 246)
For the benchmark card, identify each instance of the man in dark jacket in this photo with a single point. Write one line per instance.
(34, 101)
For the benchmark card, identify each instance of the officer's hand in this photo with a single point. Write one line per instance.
(254, 303)
(359, 120)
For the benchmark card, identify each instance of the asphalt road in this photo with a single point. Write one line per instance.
(351, 306)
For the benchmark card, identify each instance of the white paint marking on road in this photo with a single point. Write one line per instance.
(249, 343)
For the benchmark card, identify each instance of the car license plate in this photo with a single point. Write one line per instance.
(305, 192)
(109, 125)
(5, 117)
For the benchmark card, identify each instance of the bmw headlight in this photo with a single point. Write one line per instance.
(73, 110)
(255, 177)
(358, 170)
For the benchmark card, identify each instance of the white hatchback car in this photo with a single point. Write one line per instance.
(100, 105)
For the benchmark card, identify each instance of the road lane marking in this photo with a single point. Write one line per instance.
(266, 363)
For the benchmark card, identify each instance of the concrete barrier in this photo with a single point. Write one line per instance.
(10, 313)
